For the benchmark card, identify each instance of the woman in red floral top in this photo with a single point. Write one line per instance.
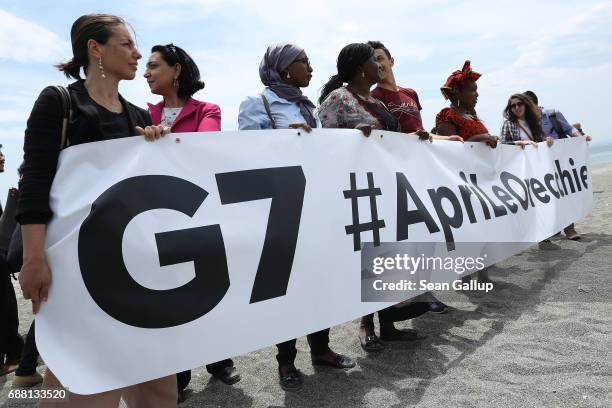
(460, 118)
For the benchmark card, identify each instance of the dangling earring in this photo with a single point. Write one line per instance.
(362, 74)
(101, 68)
(458, 102)
(288, 75)
(175, 83)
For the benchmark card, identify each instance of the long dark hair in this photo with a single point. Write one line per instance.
(351, 57)
(189, 78)
(96, 27)
(532, 115)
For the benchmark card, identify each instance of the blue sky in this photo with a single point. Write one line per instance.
(561, 50)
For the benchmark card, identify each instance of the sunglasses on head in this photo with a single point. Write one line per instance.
(516, 105)
(173, 51)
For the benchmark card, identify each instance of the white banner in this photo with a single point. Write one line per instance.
(202, 246)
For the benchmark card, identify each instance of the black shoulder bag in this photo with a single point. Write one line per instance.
(14, 254)
(552, 114)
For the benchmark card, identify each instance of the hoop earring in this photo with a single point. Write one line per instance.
(101, 68)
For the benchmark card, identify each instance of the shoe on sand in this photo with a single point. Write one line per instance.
(228, 375)
(570, 233)
(27, 380)
(402, 335)
(291, 380)
(8, 368)
(438, 307)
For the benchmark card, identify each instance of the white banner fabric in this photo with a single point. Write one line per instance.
(155, 247)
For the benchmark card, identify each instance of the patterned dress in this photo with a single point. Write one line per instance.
(345, 110)
(466, 128)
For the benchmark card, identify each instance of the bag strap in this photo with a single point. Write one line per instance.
(7, 219)
(527, 132)
(64, 95)
(268, 111)
(552, 114)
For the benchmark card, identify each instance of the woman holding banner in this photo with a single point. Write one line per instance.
(285, 69)
(521, 126)
(103, 47)
(461, 118)
(353, 107)
(171, 73)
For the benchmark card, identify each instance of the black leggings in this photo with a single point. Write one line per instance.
(29, 356)
(11, 342)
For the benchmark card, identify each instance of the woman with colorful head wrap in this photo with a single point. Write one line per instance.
(460, 118)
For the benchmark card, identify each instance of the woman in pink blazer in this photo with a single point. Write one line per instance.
(171, 73)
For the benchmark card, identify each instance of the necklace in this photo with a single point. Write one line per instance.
(464, 114)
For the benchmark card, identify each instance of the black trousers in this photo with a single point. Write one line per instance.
(216, 366)
(11, 342)
(183, 378)
(29, 356)
(318, 342)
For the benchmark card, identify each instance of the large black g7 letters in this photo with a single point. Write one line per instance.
(106, 276)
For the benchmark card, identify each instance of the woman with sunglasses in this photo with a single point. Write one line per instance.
(285, 69)
(522, 126)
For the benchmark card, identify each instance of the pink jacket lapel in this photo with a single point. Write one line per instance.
(156, 111)
(190, 106)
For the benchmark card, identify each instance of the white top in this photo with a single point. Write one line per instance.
(524, 131)
(169, 115)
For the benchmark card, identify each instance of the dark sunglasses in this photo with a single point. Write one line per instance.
(304, 60)
(516, 105)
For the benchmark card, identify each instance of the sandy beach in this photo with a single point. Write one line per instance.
(541, 338)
